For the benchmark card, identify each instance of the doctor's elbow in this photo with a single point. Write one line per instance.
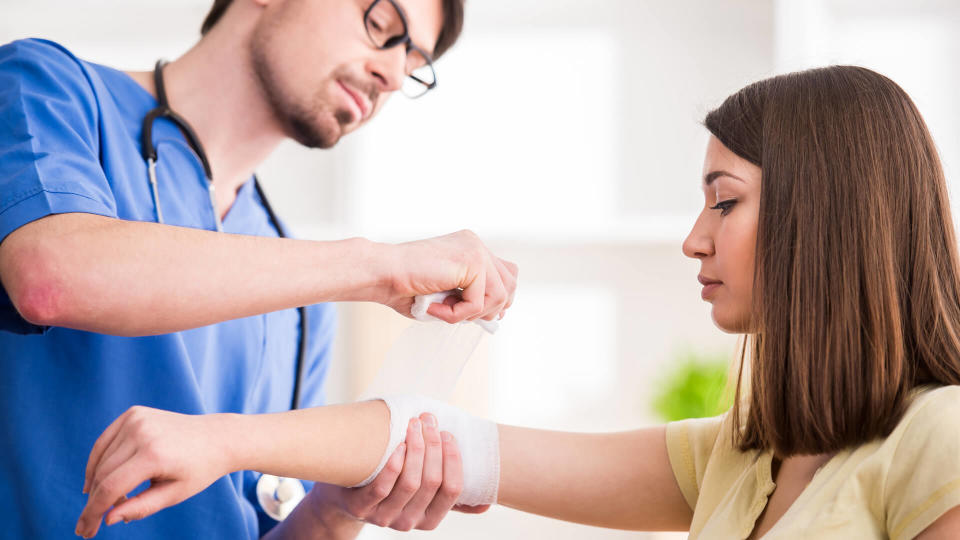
(29, 276)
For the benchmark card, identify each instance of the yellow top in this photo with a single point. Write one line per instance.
(889, 488)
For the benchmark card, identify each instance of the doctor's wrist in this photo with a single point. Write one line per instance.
(364, 271)
(325, 505)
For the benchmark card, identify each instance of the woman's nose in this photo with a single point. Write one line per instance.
(698, 243)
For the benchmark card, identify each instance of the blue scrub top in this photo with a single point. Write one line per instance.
(69, 142)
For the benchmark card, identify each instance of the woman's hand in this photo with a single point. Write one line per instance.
(179, 454)
(455, 261)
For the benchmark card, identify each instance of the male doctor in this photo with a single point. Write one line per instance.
(103, 307)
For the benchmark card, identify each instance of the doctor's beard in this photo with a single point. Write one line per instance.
(318, 123)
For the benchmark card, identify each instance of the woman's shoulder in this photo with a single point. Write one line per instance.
(932, 407)
(929, 429)
(922, 462)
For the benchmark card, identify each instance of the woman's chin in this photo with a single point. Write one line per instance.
(730, 323)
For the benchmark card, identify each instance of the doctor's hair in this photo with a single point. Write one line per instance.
(452, 23)
(856, 286)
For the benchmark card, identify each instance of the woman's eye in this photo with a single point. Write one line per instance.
(724, 206)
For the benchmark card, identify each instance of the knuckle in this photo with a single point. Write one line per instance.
(152, 451)
(415, 445)
(410, 486)
(428, 525)
(453, 488)
(379, 521)
(393, 466)
(356, 509)
(402, 524)
(432, 483)
(380, 492)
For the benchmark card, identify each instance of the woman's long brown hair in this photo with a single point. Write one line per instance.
(856, 284)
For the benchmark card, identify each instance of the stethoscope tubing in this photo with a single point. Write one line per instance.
(149, 153)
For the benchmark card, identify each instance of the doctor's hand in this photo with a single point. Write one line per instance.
(455, 261)
(180, 454)
(416, 488)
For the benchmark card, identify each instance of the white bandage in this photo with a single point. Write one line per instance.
(422, 303)
(477, 438)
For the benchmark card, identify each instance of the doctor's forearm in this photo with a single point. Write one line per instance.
(119, 277)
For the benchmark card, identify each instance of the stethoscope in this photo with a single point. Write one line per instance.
(277, 496)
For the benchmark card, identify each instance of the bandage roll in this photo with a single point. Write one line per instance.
(477, 438)
(422, 303)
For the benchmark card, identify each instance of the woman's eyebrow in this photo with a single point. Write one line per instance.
(713, 175)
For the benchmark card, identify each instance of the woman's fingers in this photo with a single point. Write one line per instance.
(120, 482)
(121, 450)
(101, 445)
(158, 496)
(450, 488)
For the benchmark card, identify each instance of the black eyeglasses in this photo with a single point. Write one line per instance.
(387, 27)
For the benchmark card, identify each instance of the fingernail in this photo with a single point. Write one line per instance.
(446, 437)
(415, 424)
(430, 421)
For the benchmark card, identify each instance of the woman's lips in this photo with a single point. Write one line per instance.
(709, 286)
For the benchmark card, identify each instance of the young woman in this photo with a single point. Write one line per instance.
(826, 239)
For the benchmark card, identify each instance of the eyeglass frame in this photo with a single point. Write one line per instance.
(402, 39)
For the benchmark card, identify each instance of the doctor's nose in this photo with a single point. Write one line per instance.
(388, 68)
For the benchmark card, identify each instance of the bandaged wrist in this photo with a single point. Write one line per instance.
(477, 438)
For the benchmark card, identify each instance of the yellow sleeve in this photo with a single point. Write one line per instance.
(923, 479)
(689, 445)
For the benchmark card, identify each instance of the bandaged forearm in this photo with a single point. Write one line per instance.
(477, 439)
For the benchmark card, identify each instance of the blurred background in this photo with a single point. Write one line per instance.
(565, 133)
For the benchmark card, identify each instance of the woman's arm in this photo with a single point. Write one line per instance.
(619, 480)
(183, 454)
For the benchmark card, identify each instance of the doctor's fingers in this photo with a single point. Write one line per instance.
(100, 446)
(430, 479)
(509, 273)
(496, 293)
(451, 487)
(362, 502)
(122, 481)
(409, 481)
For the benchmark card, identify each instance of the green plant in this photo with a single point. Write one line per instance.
(694, 387)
